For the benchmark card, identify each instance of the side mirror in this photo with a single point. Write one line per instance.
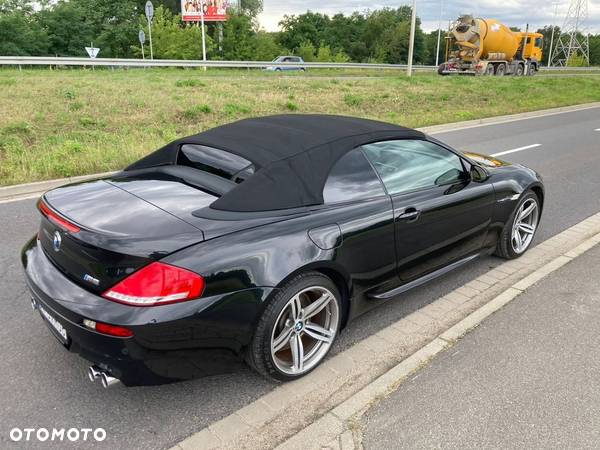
(478, 174)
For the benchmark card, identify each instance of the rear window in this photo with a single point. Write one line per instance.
(215, 161)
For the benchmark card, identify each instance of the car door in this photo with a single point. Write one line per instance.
(355, 200)
(441, 215)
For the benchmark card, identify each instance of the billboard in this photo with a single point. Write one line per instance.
(214, 10)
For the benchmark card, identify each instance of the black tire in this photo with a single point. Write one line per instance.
(504, 248)
(490, 70)
(258, 353)
(520, 70)
(501, 70)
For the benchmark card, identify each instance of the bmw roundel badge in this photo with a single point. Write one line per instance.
(56, 241)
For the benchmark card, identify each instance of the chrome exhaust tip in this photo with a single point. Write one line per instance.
(108, 381)
(94, 372)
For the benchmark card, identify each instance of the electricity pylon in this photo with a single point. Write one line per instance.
(574, 38)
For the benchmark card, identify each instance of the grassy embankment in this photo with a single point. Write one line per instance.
(71, 122)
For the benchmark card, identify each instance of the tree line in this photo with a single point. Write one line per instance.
(66, 27)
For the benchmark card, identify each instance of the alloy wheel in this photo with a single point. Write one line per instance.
(304, 330)
(524, 225)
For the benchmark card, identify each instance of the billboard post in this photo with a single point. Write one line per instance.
(203, 36)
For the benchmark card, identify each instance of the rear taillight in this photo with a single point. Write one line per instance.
(157, 284)
(58, 220)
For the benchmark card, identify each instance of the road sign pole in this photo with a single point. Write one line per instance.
(149, 9)
(411, 43)
(150, 39)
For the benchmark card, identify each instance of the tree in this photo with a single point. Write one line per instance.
(595, 50)
(306, 51)
(297, 30)
(324, 54)
(251, 8)
(21, 34)
(68, 30)
(239, 41)
(115, 24)
(266, 48)
(430, 41)
(344, 33)
(387, 33)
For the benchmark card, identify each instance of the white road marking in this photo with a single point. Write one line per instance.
(527, 147)
(597, 129)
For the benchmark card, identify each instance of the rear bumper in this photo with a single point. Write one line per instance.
(171, 342)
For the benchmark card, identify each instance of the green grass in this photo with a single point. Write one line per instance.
(72, 122)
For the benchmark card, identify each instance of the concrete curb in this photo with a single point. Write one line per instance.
(443, 128)
(28, 190)
(317, 411)
(22, 191)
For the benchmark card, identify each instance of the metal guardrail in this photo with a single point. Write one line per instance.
(116, 62)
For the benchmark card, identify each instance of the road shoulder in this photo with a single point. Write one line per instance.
(526, 378)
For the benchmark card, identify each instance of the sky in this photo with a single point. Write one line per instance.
(511, 12)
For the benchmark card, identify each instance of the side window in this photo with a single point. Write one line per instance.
(352, 178)
(218, 162)
(408, 165)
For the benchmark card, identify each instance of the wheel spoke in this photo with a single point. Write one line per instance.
(518, 240)
(318, 332)
(297, 353)
(283, 339)
(316, 307)
(526, 212)
(526, 228)
(296, 307)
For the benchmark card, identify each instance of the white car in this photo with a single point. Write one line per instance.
(286, 59)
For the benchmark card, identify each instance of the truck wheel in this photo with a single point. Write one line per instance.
(520, 70)
(532, 71)
(489, 70)
(441, 69)
(501, 70)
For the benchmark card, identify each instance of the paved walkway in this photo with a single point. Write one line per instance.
(528, 377)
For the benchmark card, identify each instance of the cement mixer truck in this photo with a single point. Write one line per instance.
(488, 47)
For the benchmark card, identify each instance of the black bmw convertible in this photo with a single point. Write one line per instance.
(260, 240)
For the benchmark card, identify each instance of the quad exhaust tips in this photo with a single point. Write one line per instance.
(95, 373)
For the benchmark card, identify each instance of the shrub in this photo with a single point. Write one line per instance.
(352, 100)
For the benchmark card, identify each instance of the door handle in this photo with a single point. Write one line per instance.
(410, 215)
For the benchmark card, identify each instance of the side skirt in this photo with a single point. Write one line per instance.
(422, 280)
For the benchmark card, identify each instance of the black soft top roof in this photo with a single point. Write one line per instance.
(293, 155)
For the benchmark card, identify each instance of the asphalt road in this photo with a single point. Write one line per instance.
(527, 377)
(42, 385)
